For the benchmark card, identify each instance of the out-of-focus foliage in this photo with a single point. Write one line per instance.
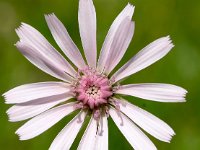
(154, 18)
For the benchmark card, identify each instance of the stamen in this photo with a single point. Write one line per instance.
(107, 111)
(116, 103)
(100, 127)
(117, 87)
(69, 74)
(112, 81)
(78, 106)
(97, 114)
(119, 114)
(117, 106)
(78, 74)
(79, 119)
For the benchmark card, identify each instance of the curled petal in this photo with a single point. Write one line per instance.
(64, 41)
(133, 134)
(72, 129)
(41, 53)
(106, 48)
(147, 56)
(150, 123)
(44, 121)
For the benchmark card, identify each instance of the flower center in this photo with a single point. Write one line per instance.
(93, 92)
(92, 88)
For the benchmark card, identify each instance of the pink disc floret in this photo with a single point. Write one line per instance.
(92, 88)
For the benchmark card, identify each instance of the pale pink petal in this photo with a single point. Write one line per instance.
(36, 91)
(88, 140)
(102, 135)
(87, 27)
(154, 91)
(137, 139)
(68, 134)
(120, 43)
(42, 62)
(44, 121)
(147, 121)
(64, 41)
(147, 56)
(126, 12)
(30, 109)
(37, 42)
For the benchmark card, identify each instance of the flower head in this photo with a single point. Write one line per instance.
(97, 94)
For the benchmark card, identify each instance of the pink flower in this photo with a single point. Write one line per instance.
(96, 91)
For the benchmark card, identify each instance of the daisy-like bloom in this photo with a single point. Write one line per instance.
(97, 92)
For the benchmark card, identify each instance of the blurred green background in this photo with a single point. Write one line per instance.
(154, 18)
